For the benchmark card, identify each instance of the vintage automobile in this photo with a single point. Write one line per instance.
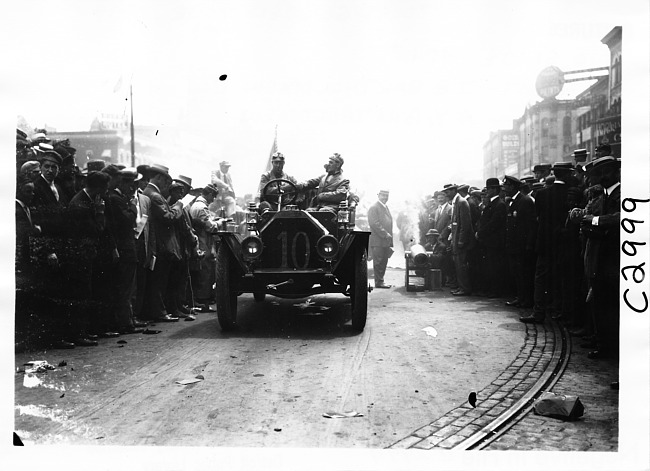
(292, 253)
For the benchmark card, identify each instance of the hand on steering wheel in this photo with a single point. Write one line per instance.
(288, 197)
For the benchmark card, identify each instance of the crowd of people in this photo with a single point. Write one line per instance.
(106, 250)
(548, 243)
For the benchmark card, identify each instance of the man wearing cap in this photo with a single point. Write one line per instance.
(603, 150)
(203, 272)
(603, 229)
(332, 188)
(164, 244)
(551, 208)
(381, 237)
(48, 201)
(179, 275)
(122, 213)
(462, 239)
(490, 235)
(437, 249)
(276, 173)
(30, 170)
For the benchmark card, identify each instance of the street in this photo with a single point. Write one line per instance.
(268, 383)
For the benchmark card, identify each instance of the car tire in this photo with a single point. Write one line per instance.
(359, 290)
(226, 298)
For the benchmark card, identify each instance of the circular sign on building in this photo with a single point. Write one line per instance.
(549, 82)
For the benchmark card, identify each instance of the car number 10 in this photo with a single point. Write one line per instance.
(283, 236)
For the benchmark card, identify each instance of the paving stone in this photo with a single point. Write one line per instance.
(406, 442)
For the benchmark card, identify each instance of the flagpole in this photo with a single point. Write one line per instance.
(132, 130)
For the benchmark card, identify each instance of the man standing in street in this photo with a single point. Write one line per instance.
(461, 237)
(381, 237)
(490, 235)
(163, 239)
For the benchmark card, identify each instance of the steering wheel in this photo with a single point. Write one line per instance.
(288, 197)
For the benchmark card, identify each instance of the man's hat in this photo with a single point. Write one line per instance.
(537, 186)
(580, 155)
(175, 185)
(562, 166)
(476, 193)
(383, 192)
(432, 232)
(541, 167)
(95, 165)
(182, 179)
(29, 166)
(112, 170)
(277, 156)
(40, 137)
(225, 163)
(463, 187)
(129, 173)
(604, 147)
(337, 158)
(528, 179)
(143, 170)
(49, 155)
(450, 186)
(211, 187)
(160, 169)
(602, 162)
(492, 183)
(512, 181)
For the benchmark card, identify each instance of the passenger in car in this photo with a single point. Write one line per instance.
(332, 187)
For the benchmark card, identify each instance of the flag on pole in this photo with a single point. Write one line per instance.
(118, 85)
(274, 149)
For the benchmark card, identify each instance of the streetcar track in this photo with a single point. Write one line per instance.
(523, 406)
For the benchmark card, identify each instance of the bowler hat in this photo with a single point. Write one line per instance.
(492, 183)
(176, 184)
(144, 170)
(541, 167)
(512, 181)
(160, 169)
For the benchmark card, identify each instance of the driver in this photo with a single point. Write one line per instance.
(332, 187)
(276, 172)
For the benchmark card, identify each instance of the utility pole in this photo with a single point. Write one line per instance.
(132, 131)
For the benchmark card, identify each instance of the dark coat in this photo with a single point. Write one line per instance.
(443, 221)
(521, 225)
(331, 189)
(381, 225)
(492, 224)
(162, 234)
(47, 212)
(122, 214)
(552, 210)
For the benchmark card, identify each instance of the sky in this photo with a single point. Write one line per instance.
(406, 91)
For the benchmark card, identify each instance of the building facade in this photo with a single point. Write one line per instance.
(550, 130)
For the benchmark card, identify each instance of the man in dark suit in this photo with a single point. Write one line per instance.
(381, 237)
(606, 171)
(491, 236)
(461, 238)
(163, 241)
(122, 213)
(443, 225)
(48, 203)
(520, 230)
(551, 208)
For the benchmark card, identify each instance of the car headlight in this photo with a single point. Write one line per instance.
(252, 247)
(327, 247)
